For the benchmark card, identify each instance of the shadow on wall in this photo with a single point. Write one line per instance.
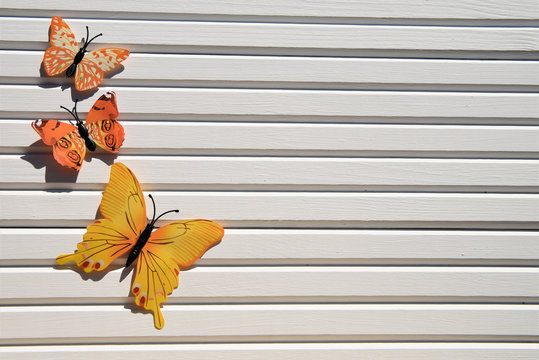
(47, 82)
(56, 174)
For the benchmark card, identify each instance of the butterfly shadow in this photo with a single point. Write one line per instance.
(100, 154)
(54, 172)
(94, 275)
(38, 156)
(65, 83)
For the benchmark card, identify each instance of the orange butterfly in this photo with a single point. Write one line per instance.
(69, 142)
(64, 55)
(125, 230)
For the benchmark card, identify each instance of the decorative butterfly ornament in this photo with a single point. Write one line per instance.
(125, 230)
(88, 67)
(69, 142)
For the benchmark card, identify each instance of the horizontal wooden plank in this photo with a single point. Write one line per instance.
(284, 351)
(212, 322)
(291, 72)
(462, 9)
(176, 36)
(171, 103)
(23, 208)
(220, 138)
(243, 173)
(25, 246)
(278, 284)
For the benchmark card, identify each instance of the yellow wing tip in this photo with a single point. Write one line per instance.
(158, 318)
(65, 258)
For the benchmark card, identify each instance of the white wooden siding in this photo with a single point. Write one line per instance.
(375, 165)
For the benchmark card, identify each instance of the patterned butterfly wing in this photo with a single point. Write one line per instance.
(56, 60)
(178, 244)
(102, 125)
(67, 146)
(124, 219)
(103, 242)
(107, 58)
(61, 35)
(88, 75)
(61, 54)
(90, 70)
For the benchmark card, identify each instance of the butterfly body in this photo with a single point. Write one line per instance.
(125, 230)
(87, 67)
(85, 135)
(69, 142)
(141, 241)
(73, 67)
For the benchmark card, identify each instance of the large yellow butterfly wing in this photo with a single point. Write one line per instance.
(169, 248)
(124, 212)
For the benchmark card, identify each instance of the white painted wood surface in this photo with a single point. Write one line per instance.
(374, 163)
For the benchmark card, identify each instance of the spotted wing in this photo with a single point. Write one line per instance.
(56, 60)
(70, 150)
(107, 58)
(52, 130)
(124, 212)
(61, 35)
(61, 54)
(88, 75)
(102, 125)
(90, 70)
(67, 146)
(169, 248)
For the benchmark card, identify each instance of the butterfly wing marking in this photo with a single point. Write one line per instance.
(103, 242)
(102, 125)
(104, 108)
(61, 35)
(90, 70)
(88, 75)
(123, 201)
(67, 146)
(170, 247)
(61, 54)
(124, 212)
(70, 150)
(56, 60)
(52, 130)
(107, 58)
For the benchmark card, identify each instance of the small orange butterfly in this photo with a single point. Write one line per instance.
(88, 67)
(124, 230)
(69, 142)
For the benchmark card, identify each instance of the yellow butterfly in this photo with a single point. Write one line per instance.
(159, 254)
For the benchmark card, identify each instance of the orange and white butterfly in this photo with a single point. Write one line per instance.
(124, 230)
(88, 67)
(69, 142)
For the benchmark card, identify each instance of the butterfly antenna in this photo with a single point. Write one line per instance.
(71, 112)
(153, 202)
(87, 42)
(92, 39)
(75, 110)
(166, 212)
